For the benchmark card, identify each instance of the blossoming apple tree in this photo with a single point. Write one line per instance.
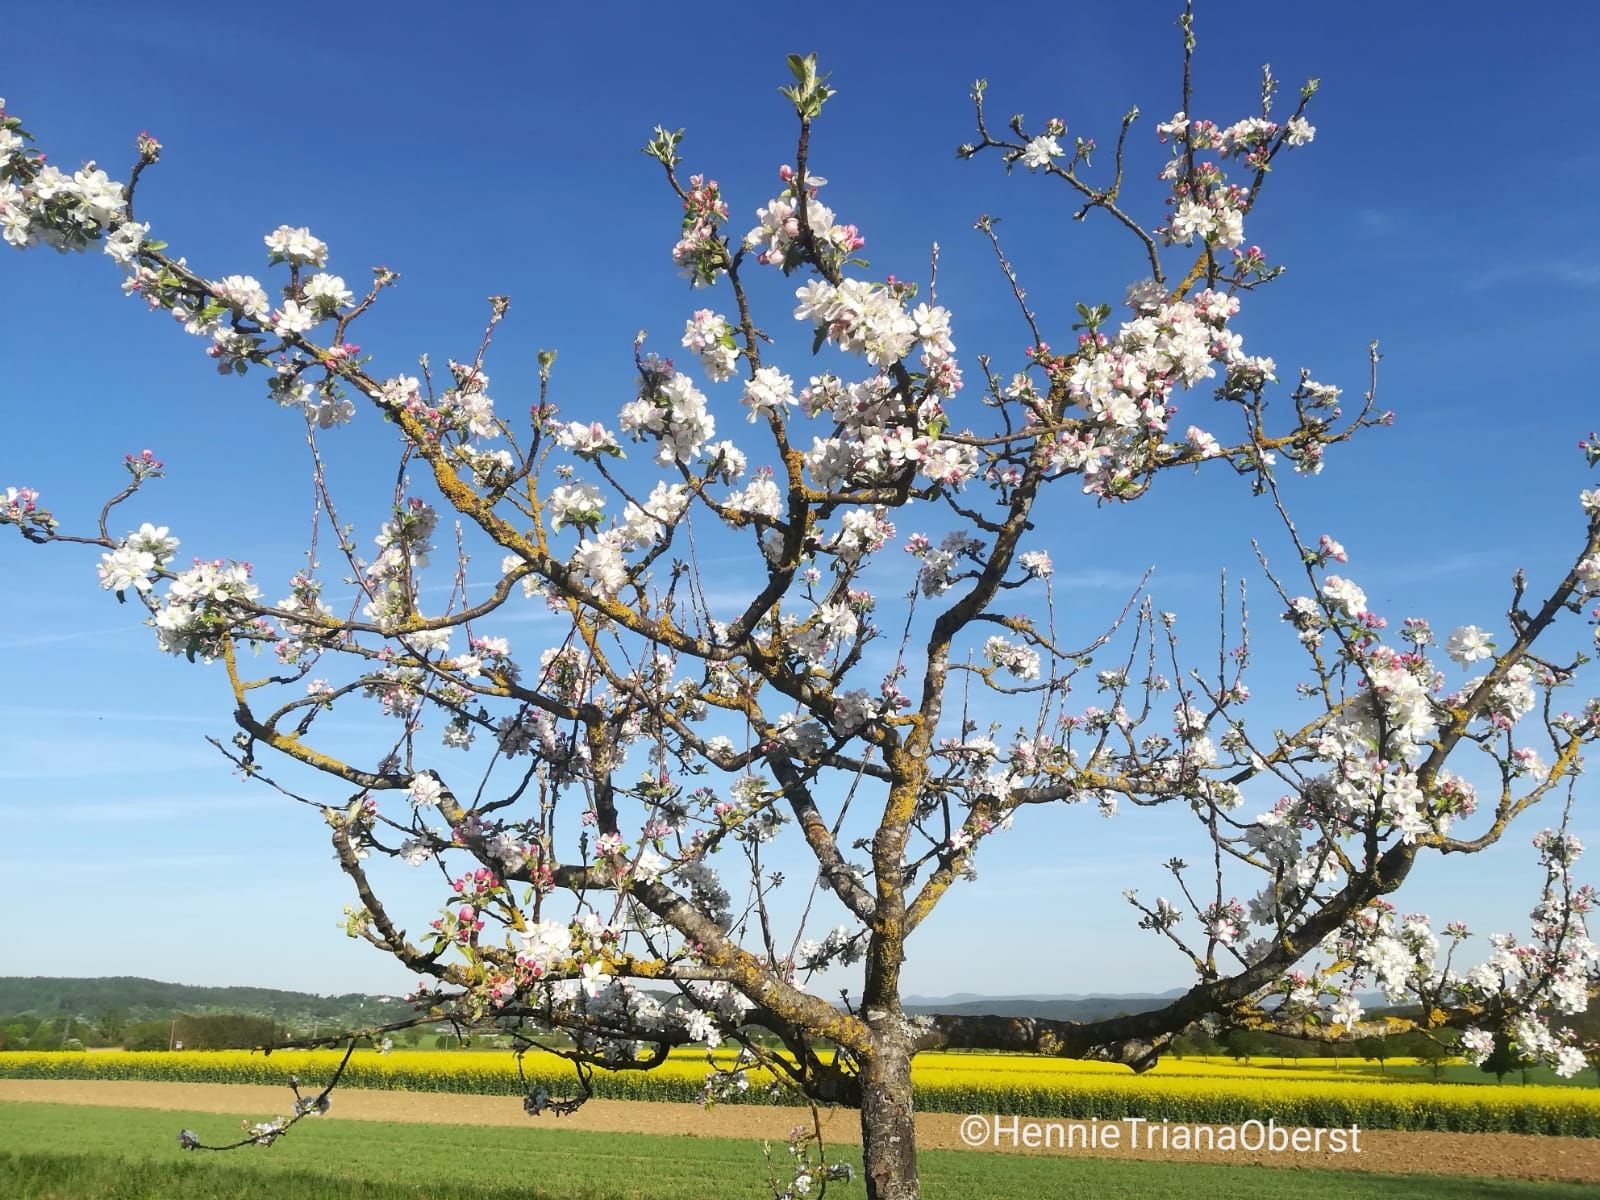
(599, 806)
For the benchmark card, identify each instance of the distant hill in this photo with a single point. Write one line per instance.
(1054, 1008)
(148, 999)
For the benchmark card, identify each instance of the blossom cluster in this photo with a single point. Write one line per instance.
(134, 563)
(20, 507)
(671, 410)
(1205, 204)
(777, 235)
(700, 252)
(1124, 385)
(404, 545)
(709, 336)
(40, 204)
(202, 604)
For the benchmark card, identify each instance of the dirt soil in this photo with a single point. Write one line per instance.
(1481, 1155)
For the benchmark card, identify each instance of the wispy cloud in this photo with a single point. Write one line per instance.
(1585, 162)
(520, 616)
(140, 811)
(733, 596)
(104, 714)
(82, 757)
(1091, 877)
(224, 35)
(1101, 579)
(1097, 579)
(189, 864)
(26, 641)
(1547, 271)
(1447, 564)
(1375, 222)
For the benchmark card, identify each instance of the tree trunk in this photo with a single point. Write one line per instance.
(888, 1134)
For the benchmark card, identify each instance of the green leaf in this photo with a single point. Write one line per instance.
(810, 90)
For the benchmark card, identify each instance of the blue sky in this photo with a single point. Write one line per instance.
(1445, 208)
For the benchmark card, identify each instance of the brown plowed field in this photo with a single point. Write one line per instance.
(1484, 1155)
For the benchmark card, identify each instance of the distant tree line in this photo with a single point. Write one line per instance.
(1247, 1045)
(208, 1031)
(1435, 1051)
(148, 999)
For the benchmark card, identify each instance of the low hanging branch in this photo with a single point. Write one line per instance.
(264, 1133)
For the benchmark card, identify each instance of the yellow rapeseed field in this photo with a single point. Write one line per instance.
(1183, 1090)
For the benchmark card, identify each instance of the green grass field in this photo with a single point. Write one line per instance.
(67, 1152)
